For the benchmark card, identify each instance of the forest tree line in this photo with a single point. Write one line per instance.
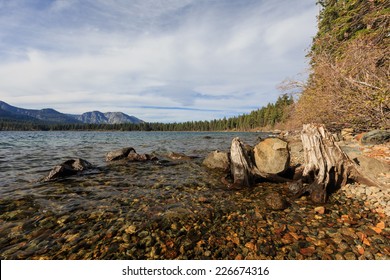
(266, 116)
(348, 83)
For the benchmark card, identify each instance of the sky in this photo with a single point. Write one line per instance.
(159, 60)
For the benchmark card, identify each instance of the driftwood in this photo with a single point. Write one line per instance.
(241, 166)
(244, 171)
(327, 167)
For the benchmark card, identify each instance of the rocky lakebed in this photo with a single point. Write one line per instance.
(173, 207)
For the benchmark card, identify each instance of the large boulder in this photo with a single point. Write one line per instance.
(376, 137)
(119, 154)
(68, 168)
(217, 160)
(272, 156)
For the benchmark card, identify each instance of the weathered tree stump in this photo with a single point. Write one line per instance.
(241, 165)
(327, 167)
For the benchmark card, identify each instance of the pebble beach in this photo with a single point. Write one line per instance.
(181, 210)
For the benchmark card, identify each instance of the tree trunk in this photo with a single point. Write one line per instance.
(327, 167)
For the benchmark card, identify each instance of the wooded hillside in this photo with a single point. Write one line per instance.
(350, 70)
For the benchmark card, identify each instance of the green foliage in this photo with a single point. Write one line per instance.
(341, 20)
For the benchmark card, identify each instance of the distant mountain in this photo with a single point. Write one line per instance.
(45, 115)
(52, 116)
(96, 117)
(119, 117)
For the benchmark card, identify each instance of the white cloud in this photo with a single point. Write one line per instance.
(219, 56)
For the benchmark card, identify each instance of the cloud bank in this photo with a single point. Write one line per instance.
(160, 60)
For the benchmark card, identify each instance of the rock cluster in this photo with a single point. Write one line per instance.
(374, 197)
(179, 222)
(129, 154)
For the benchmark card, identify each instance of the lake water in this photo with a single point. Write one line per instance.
(171, 209)
(27, 156)
(35, 214)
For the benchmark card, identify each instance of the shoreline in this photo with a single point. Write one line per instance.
(142, 211)
(378, 155)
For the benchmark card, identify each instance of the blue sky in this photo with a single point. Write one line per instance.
(160, 60)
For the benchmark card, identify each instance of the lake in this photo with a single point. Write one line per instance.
(27, 156)
(145, 191)
(175, 210)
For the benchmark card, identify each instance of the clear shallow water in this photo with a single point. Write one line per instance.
(27, 156)
(37, 220)
(156, 211)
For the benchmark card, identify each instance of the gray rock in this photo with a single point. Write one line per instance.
(351, 151)
(376, 137)
(272, 156)
(217, 160)
(296, 187)
(276, 201)
(296, 152)
(68, 168)
(141, 157)
(296, 147)
(372, 167)
(119, 154)
(178, 156)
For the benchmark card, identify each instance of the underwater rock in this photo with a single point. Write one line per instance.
(276, 201)
(217, 160)
(141, 157)
(119, 154)
(68, 168)
(178, 156)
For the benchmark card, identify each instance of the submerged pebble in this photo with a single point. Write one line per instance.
(158, 210)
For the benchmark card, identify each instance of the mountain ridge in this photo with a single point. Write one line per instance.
(49, 115)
